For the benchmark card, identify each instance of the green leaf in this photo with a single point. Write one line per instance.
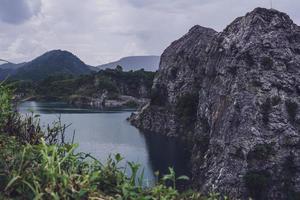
(167, 177)
(118, 157)
(183, 178)
(12, 182)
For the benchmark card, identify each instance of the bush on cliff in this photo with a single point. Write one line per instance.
(257, 182)
(186, 109)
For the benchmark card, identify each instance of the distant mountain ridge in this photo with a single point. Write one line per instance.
(11, 65)
(5, 73)
(7, 69)
(148, 63)
(60, 62)
(55, 62)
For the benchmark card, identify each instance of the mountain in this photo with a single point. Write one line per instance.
(148, 63)
(8, 69)
(92, 68)
(5, 73)
(56, 62)
(233, 97)
(12, 66)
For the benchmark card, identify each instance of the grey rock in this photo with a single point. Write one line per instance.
(244, 137)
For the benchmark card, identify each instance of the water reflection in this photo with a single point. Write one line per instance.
(167, 152)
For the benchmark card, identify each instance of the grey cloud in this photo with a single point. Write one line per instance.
(18, 11)
(171, 3)
(100, 31)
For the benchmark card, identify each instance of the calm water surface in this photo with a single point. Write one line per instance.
(103, 133)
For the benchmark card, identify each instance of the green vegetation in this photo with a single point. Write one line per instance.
(113, 82)
(291, 108)
(276, 100)
(52, 63)
(131, 104)
(186, 109)
(267, 63)
(257, 183)
(56, 172)
(38, 164)
(159, 95)
(6, 106)
(261, 152)
(288, 177)
(248, 58)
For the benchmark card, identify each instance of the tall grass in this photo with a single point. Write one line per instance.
(38, 164)
(46, 171)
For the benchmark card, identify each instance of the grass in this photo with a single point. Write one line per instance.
(56, 172)
(38, 164)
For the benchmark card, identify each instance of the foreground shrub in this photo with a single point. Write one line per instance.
(5, 104)
(38, 164)
(27, 129)
(56, 172)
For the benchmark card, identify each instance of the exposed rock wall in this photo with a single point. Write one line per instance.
(179, 75)
(244, 134)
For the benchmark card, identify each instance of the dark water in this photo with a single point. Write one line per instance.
(104, 133)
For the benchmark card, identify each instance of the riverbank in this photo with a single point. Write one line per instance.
(121, 102)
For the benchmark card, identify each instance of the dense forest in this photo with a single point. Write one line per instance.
(110, 83)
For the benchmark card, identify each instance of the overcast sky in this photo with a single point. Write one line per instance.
(99, 31)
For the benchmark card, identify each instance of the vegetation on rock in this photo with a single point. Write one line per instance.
(186, 109)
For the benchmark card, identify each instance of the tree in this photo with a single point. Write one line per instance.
(119, 68)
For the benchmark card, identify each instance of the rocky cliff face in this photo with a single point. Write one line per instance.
(234, 97)
(179, 77)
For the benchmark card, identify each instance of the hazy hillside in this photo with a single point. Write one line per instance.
(5, 73)
(58, 62)
(54, 62)
(12, 66)
(8, 69)
(148, 63)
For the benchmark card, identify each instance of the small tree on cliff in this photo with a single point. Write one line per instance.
(119, 68)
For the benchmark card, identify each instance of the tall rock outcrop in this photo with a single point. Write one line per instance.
(179, 76)
(234, 97)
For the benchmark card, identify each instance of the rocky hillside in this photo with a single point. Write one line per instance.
(234, 97)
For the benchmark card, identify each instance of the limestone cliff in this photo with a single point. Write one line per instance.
(234, 97)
